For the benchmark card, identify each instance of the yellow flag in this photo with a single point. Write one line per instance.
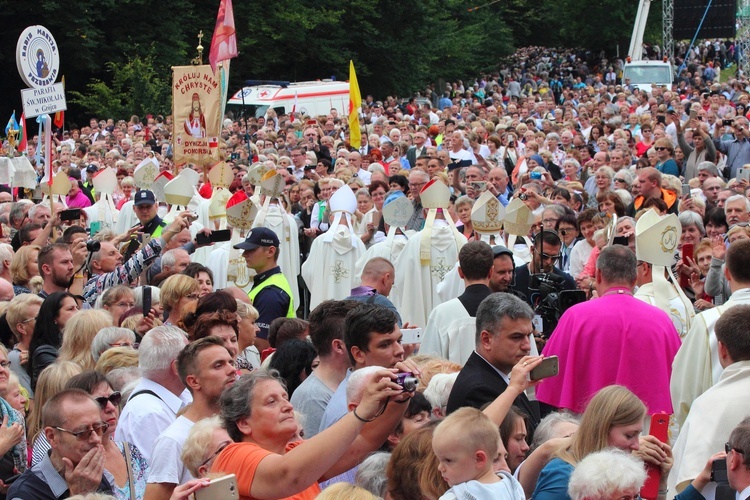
(355, 104)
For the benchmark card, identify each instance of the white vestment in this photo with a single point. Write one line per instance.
(450, 332)
(229, 267)
(419, 283)
(696, 366)
(126, 218)
(388, 249)
(330, 267)
(285, 227)
(712, 417)
(678, 312)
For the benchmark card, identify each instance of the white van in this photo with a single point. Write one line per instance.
(645, 74)
(313, 99)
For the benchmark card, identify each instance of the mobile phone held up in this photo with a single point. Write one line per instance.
(549, 367)
(659, 429)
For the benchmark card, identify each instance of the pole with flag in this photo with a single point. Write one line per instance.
(294, 106)
(355, 104)
(23, 144)
(224, 39)
(59, 120)
(11, 132)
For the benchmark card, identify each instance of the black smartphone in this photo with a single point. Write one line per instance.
(11, 479)
(214, 237)
(146, 300)
(70, 214)
(661, 119)
(719, 471)
(620, 240)
(727, 123)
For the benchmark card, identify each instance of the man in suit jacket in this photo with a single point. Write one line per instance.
(504, 325)
(419, 148)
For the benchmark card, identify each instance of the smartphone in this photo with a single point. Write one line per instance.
(727, 123)
(221, 488)
(11, 479)
(743, 173)
(620, 240)
(660, 430)
(693, 114)
(661, 119)
(214, 237)
(70, 214)
(687, 251)
(478, 186)
(411, 335)
(686, 190)
(234, 156)
(549, 367)
(146, 300)
(719, 471)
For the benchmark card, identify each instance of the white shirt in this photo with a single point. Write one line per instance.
(143, 419)
(166, 465)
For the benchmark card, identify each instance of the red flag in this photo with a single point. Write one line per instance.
(294, 106)
(24, 141)
(224, 40)
(59, 119)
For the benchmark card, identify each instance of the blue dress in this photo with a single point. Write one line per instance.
(669, 167)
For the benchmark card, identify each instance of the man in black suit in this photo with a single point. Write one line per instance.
(504, 328)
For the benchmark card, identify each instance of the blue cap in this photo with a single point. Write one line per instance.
(259, 237)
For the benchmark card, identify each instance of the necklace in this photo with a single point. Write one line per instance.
(618, 290)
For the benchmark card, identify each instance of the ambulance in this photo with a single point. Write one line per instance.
(312, 98)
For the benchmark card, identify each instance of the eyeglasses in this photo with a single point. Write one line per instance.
(83, 435)
(549, 221)
(113, 398)
(129, 305)
(5, 364)
(192, 296)
(216, 453)
(728, 447)
(417, 184)
(617, 179)
(546, 256)
(134, 345)
(660, 148)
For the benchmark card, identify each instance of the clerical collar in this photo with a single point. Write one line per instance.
(618, 290)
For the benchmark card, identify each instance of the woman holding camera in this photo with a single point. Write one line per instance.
(267, 462)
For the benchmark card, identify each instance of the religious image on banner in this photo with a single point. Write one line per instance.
(196, 106)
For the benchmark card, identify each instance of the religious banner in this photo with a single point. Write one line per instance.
(196, 106)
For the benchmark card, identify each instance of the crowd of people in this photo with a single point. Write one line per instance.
(530, 286)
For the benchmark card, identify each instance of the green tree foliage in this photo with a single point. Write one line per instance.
(135, 88)
(116, 55)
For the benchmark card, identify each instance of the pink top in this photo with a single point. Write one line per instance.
(590, 268)
(78, 201)
(615, 339)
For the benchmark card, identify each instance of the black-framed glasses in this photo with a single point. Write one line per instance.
(216, 453)
(84, 434)
(660, 148)
(5, 364)
(728, 447)
(113, 398)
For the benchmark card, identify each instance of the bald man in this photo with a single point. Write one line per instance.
(378, 277)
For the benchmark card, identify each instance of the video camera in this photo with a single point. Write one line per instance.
(552, 301)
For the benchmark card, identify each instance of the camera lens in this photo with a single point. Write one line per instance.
(93, 246)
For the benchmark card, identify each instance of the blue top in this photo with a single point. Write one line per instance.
(669, 167)
(553, 481)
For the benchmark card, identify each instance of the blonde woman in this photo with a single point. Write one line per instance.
(23, 267)
(79, 334)
(51, 381)
(176, 292)
(249, 357)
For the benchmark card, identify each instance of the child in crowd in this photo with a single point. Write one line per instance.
(14, 396)
(466, 444)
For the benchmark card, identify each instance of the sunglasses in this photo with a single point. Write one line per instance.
(83, 435)
(660, 149)
(113, 398)
(728, 447)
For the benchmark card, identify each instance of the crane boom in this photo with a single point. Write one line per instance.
(636, 40)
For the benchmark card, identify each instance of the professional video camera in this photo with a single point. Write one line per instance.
(551, 300)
